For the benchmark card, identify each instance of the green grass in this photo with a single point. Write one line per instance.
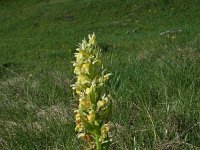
(155, 83)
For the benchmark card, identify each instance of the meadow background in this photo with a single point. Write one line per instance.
(155, 83)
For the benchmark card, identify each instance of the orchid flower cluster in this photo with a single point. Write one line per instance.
(94, 109)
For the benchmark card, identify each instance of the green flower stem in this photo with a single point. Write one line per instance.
(98, 144)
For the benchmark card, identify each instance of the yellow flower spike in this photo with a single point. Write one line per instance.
(91, 120)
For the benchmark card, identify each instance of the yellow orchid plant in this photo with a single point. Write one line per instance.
(94, 109)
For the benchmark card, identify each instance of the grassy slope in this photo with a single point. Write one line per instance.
(155, 83)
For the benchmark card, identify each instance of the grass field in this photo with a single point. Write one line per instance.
(151, 47)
